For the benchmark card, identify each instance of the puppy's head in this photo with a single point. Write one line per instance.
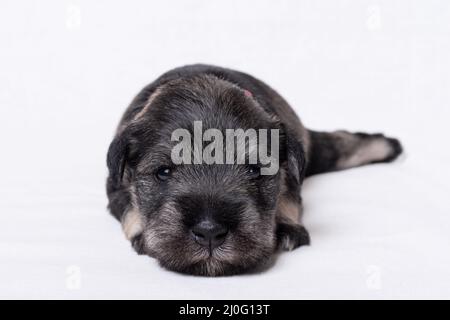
(198, 218)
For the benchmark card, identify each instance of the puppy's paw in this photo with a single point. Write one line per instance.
(379, 148)
(138, 244)
(396, 149)
(291, 236)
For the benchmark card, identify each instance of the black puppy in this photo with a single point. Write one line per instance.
(219, 219)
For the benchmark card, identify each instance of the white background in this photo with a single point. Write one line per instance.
(68, 69)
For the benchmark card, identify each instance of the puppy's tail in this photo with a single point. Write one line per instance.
(339, 150)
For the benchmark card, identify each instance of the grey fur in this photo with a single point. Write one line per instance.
(263, 214)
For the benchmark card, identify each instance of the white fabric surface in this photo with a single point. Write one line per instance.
(69, 68)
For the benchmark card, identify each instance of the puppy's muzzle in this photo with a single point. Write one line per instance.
(209, 233)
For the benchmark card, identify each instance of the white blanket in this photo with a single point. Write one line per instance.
(69, 70)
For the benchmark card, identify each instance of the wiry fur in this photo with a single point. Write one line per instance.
(263, 214)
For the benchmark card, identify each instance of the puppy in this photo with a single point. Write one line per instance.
(213, 218)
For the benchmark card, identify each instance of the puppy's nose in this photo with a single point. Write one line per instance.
(209, 234)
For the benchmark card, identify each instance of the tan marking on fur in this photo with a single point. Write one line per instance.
(289, 210)
(139, 115)
(132, 223)
(285, 207)
(150, 100)
(306, 141)
(374, 150)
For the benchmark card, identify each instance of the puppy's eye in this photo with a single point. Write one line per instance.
(163, 173)
(254, 171)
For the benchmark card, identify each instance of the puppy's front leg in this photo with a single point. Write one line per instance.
(289, 232)
(291, 235)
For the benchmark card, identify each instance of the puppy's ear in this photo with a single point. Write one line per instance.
(116, 161)
(119, 155)
(295, 158)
